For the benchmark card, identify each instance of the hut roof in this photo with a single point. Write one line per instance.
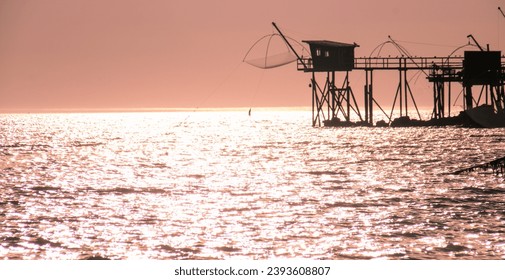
(332, 44)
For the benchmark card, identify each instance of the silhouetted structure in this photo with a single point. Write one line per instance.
(497, 165)
(328, 56)
(329, 99)
(476, 69)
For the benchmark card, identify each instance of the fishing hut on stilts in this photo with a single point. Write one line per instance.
(334, 102)
(332, 95)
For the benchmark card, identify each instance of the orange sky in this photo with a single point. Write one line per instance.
(58, 54)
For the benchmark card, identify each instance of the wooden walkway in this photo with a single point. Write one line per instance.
(497, 165)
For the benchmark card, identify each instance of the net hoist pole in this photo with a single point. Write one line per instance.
(289, 45)
(501, 12)
(475, 41)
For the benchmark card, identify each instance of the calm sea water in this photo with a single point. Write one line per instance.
(219, 185)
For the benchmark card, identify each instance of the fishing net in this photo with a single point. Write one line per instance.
(271, 51)
(272, 61)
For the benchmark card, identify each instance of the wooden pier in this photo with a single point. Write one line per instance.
(442, 72)
(331, 100)
(334, 101)
(497, 166)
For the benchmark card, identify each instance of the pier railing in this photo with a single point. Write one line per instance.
(407, 63)
(395, 63)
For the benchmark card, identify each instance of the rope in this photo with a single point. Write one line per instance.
(212, 93)
(426, 44)
(253, 97)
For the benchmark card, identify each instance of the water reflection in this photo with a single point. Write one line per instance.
(226, 185)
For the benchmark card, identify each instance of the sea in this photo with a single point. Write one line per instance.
(223, 184)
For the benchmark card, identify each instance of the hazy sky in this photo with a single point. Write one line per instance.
(57, 54)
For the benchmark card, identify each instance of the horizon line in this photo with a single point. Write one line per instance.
(148, 109)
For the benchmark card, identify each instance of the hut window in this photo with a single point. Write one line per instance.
(318, 52)
(327, 53)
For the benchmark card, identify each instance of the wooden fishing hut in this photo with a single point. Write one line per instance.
(331, 99)
(328, 99)
(483, 68)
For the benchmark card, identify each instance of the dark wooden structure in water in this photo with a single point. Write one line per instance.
(329, 98)
(332, 96)
(497, 166)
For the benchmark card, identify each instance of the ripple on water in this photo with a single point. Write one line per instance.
(219, 185)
